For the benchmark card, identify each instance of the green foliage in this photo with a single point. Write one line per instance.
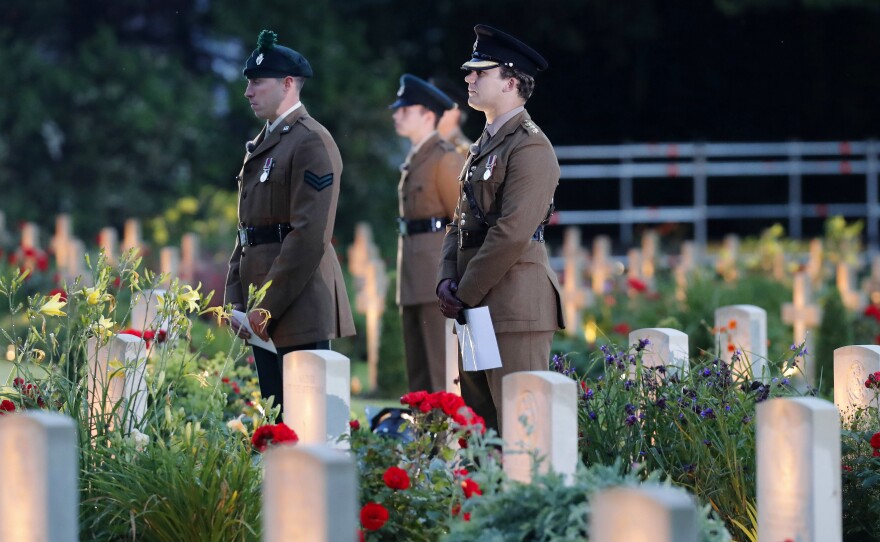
(435, 469)
(694, 427)
(834, 331)
(861, 474)
(550, 510)
(392, 380)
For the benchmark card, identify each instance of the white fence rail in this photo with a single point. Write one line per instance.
(702, 162)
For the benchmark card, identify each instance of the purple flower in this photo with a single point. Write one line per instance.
(746, 419)
(629, 409)
(707, 372)
(628, 384)
(630, 420)
(707, 413)
(660, 403)
(592, 416)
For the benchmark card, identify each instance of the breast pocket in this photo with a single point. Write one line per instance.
(278, 191)
(487, 183)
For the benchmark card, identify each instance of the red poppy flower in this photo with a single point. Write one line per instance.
(622, 328)
(7, 406)
(414, 398)
(451, 403)
(875, 440)
(730, 347)
(354, 425)
(396, 478)
(636, 284)
(876, 452)
(272, 434)
(470, 488)
(373, 516)
(463, 443)
(873, 311)
(732, 324)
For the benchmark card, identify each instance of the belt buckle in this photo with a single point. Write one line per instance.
(401, 227)
(243, 237)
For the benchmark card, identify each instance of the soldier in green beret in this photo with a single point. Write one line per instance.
(494, 254)
(288, 190)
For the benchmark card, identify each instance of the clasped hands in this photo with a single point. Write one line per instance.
(450, 305)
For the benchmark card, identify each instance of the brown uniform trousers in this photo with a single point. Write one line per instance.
(307, 299)
(514, 178)
(428, 188)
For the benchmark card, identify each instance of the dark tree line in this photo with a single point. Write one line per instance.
(117, 109)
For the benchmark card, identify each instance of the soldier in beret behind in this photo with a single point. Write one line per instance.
(288, 190)
(427, 193)
(493, 252)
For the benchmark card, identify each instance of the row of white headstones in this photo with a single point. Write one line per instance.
(69, 251)
(310, 490)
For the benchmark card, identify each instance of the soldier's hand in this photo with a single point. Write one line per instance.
(259, 320)
(450, 305)
(239, 328)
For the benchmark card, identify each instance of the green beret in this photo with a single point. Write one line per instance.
(272, 60)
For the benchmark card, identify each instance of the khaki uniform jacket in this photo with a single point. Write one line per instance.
(510, 273)
(307, 299)
(428, 188)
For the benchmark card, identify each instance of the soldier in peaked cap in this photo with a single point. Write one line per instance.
(427, 192)
(493, 252)
(288, 189)
(450, 123)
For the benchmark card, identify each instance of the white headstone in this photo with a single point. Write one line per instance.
(317, 395)
(871, 283)
(169, 263)
(687, 263)
(145, 311)
(39, 496)
(852, 366)
(803, 315)
(853, 299)
(634, 264)
(30, 235)
(131, 236)
(728, 259)
(310, 494)
(539, 418)
(798, 477)
(107, 241)
(61, 241)
(370, 300)
(650, 254)
(117, 380)
(362, 250)
(815, 264)
(666, 346)
(600, 264)
(189, 258)
(76, 260)
(743, 328)
(575, 295)
(452, 379)
(642, 514)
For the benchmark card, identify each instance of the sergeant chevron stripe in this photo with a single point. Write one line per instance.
(318, 183)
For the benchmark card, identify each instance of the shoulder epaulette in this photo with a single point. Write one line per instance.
(530, 126)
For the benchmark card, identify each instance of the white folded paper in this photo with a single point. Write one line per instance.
(242, 320)
(476, 339)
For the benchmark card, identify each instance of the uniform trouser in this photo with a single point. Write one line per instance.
(521, 351)
(270, 370)
(424, 341)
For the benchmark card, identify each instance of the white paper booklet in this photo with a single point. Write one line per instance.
(242, 320)
(476, 339)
